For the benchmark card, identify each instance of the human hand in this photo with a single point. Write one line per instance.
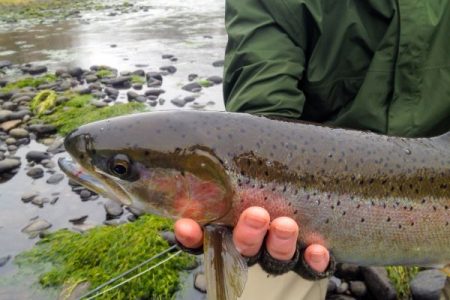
(249, 233)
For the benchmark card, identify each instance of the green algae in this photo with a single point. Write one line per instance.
(401, 277)
(105, 252)
(43, 101)
(136, 79)
(79, 111)
(28, 82)
(104, 73)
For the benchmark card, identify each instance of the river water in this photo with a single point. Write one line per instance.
(192, 31)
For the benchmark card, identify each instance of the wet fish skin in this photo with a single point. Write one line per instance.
(370, 199)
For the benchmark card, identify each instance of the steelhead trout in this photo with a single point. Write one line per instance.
(370, 199)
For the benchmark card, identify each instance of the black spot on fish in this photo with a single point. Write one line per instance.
(388, 219)
(443, 186)
(423, 201)
(81, 156)
(295, 212)
(146, 153)
(434, 208)
(284, 189)
(412, 223)
(400, 226)
(358, 206)
(362, 220)
(338, 203)
(327, 221)
(344, 213)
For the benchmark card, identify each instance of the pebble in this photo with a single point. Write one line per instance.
(10, 141)
(196, 105)
(28, 196)
(55, 178)
(54, 200)
(215, 79)
(131, 95)
(42, 129)
(113, 208)
(37, 156)
(333, 283)
(82, 228)
(135, 211)
(40, 201)
(99, 104)
(348, 271)
(358, 288)
(340, 297)
(200, 282)
(8, 164)
(47, 163)
(35, 70)
(4, 260)
(121, 82)
(218, 63)
(169, 237)
(5, 64)
(342, 288)
(192, 76)
(169, 69)
(378, 283)
(85, 194)
(12, 148)
(178, 102)
(79, 220)
(114, 222)
(8, 125)
(57, 146)
(19, 133)
(154, 92)
(36, 225)
(192, 87)
(75, 72)
(112, 92)
(35, 172)
(139, 72)
(427, 285)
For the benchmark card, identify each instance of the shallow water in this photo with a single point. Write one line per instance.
(192, 31)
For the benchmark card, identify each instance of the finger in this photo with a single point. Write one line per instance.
(249, 232)
(189, 233)
(282, 239)
(317, 257)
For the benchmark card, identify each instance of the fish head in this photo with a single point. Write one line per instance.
(172, 179)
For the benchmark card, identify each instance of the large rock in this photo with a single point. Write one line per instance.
(427, 285)
(36, 226)
(378, 283)
(8, 164)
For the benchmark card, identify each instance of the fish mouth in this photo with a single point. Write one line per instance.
(75, 172)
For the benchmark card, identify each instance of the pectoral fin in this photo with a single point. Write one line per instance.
(446, 270)
(225, 269)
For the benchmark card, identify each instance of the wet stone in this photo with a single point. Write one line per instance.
(37, 156)
(333, 283)
(215, 79)
(169, 237)
(75, 72)
(19, 133)
(197, 105)
(137, 86)
(114, 222)
(42, 129)
(20, 115)
(5, 64)
(154, 75)
(131, 218)
(35, 70)
(112, 92)
(56, 147)
(200, 282)
(9, 106)
(113, 208)
(348, 271)
(140, 99)
(36, 225)
(342, 288)
(167, 56)
(40, 201)
(3, 82)
(378, 283)
(154, 92)
(427, 285)
(192, 77)
(121, 82)
(84, 227)
(55, 178)
(47, 163)
(358, 288)
(161, 101)
(73, 183)
(10, 141)
(178, 102)
(188, 99)
(218, 63)
(169, 69)
(140, 73)
(12, 148)
(8, 164)
(4, 260)
(28, 196)
(78, 220)
(8, 125)
(192, 87)
(85, 194)
(35, 172)
(53, 200)
(151, 83)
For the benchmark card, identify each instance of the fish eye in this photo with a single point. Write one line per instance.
(120, 165)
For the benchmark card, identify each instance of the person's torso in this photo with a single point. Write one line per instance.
(382, 66)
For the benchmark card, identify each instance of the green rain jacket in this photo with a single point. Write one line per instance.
(379, 65)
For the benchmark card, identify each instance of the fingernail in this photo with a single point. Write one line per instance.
(316, 257)
(284, 234)
(255, 222)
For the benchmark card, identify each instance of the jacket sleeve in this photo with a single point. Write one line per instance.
(264, 63)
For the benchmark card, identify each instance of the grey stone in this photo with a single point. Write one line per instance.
(3, 82)
(154, 75)
(215, 79)
(154, 83)
(161, 101)
(333, 283)
(85, 194)
(121, 82)
(141, 99)
(114, 222)
(137, 86)
(131, 95)
(84, 227)
(40, 201)
(167, 56)
(342, 288)
(113, 208)
(78, 220)
(192, 77)
(36, 225)
(19, 115)
(75, 72)
(378, 283)
(19, 133)
(9, 106)
(200, 282)
(4, 260)
(8, 125)
(139, 72)
(5, 64)
(154, 92)
(348, 271)
(55, 178)
(57, 146)
(178, 102)
(112, 92)
(99, 104)
(49, 164)
(28, 196)
(12, 148)
(168, 236)
(10, 141)
(197, 105)
(192, 87)
(91, 78)
(427, 285)
(42, 129)
(340, 297)
(37, 156)
(35, 172)
(34, 70)
(54, 200)
(218, 63)
(189, 99)
(170, 69)
(358, 288)
(8, 164)
(135, 211)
